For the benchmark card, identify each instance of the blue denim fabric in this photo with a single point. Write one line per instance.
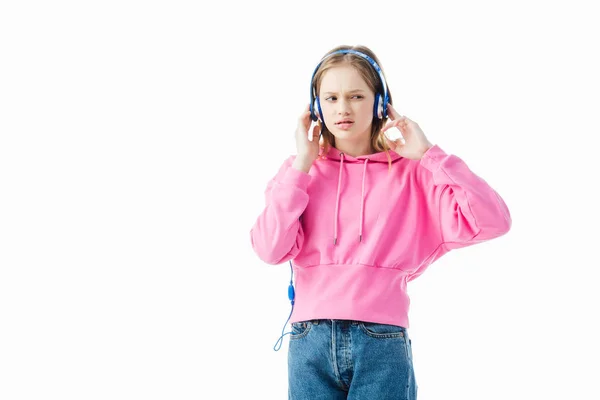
(353, 360)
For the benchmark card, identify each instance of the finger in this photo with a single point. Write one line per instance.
(390, 112)
(388, 125)
(408, 120)
(304, 117)
(392, 124)
(315, 133)
(394, 114)
(394, 144)
(306, 110)
(390, 143)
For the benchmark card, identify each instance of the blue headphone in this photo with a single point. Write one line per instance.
(381, 99)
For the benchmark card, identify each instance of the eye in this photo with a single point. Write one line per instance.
(333, 98)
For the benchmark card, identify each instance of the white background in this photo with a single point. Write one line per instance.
(137, 139)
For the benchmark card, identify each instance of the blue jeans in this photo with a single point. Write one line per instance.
(354, 360)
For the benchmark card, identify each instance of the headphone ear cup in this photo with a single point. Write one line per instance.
(313, 111)
(318, 109)
(377, 107)
(384, 107)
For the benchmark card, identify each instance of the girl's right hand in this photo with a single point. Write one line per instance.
(308, 151)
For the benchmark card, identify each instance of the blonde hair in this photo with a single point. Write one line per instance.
(372, 79)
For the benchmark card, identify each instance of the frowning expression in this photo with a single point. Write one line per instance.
(346, 102)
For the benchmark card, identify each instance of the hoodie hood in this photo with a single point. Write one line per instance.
(341, 157)
(335, 154)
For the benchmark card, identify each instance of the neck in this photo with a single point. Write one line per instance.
(354, 149)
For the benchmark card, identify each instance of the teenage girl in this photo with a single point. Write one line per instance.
(360, 216)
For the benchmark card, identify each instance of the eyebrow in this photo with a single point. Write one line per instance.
(350, 91)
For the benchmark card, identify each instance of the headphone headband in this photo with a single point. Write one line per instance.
(384, 99)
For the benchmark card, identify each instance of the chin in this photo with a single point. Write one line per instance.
(346, 134)
(341, 134)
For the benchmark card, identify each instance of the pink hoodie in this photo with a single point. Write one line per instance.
(358, 233)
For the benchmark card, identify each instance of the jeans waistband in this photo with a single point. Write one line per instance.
(337, 321)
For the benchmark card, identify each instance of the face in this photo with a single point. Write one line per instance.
(345, 96)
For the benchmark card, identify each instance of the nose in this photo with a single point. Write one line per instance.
(343, 107)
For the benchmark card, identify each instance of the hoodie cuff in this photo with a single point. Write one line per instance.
(433, 157)
(296, 177)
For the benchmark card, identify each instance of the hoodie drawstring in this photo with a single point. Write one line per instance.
(362, 200)
(337, 200)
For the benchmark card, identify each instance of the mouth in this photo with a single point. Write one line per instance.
(344, 125)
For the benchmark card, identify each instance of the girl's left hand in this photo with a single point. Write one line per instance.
(415, 143)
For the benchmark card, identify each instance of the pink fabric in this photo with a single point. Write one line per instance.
(388, 227)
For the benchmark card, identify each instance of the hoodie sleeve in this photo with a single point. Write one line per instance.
(277, 234)
(469, 211)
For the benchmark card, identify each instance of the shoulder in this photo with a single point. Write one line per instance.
(411, 172)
